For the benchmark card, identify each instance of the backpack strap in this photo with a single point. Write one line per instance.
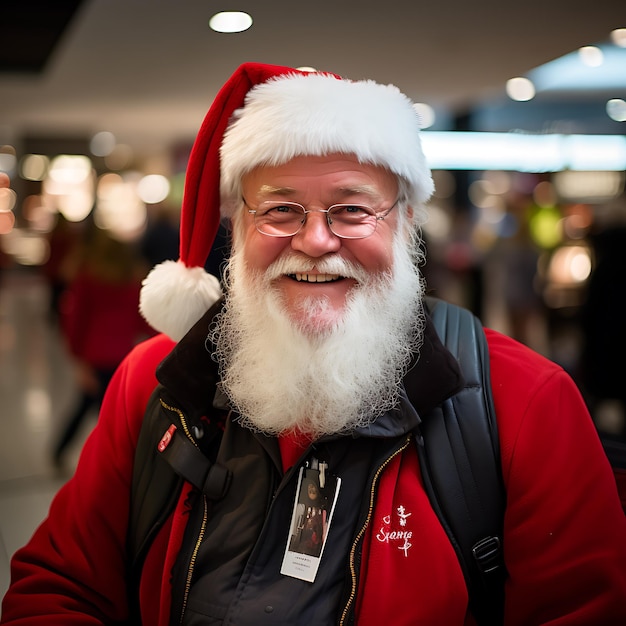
(459, 454)
(155, 490)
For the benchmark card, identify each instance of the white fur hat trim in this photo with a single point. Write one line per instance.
(317, 114)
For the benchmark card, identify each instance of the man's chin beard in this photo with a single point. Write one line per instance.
(329, 374)
(316, 317)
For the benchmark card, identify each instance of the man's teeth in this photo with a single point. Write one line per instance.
(316, 278)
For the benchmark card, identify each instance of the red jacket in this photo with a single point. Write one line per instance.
(565, 531)
(101, 320)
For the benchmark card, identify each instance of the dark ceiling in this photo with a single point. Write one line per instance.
(147, 70)
(30, 32)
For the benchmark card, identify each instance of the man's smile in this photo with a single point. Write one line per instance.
(315, 278)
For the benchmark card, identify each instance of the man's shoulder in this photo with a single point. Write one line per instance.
(135, 380)
(139, 366)
(151, 351)
(515, 357)
(526, 384)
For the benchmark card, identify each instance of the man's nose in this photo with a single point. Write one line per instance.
(315, 237)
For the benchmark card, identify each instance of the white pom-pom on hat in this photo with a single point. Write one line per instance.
(174, 297)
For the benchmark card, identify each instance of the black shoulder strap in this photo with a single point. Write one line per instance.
(164, 459)
(155, 490)
(460, 463)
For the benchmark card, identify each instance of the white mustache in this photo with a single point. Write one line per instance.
(301, 264)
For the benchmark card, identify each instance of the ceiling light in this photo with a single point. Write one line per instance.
(425, 113)
(618, 36)
(616, 109)
(591, 56)
(521, 152)
(230, 22)
(520, 89)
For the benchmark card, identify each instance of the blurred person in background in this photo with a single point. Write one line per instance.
(603, 362)
(160, 240)
(100, 320)
(64, 240)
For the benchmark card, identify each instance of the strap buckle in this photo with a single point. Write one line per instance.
(488, 554)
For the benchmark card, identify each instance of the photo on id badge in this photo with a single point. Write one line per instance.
(310, 523)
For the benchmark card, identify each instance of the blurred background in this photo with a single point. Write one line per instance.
(523, 108)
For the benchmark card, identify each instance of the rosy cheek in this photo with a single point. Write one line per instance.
(376, 256)
(261, 251)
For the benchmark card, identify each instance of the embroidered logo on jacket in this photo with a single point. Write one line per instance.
(393, 530)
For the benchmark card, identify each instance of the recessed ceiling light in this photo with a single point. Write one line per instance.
(618, 36)
(230, 22)
(426, 114)
(616, 109)
(591, 56)
(520, 89)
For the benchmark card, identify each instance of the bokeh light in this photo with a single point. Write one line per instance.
(520, 89)
(34, 167)
(69, 186)
(8, 198)
(153, 188)
(425, 113)
(545, 227)
(102, 143)
(616, 109)
(591, 56)
(119, 209)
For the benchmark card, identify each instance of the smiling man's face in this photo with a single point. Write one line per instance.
(314, 271)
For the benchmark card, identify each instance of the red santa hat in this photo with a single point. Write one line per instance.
(267, 115)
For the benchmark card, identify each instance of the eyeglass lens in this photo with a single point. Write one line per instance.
(350, 221)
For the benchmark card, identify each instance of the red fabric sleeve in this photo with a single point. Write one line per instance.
(73, 569)
(565, 531)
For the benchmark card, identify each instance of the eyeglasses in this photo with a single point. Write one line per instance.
(285, 219)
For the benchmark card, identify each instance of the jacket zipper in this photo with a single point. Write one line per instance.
(201, 532)
(194, 556)
(183, 420)
(361, 532)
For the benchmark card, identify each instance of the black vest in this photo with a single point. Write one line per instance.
(236, 576)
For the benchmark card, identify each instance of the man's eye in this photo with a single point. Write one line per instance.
(350, 210)
(282, 211)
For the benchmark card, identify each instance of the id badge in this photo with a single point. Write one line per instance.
(316, 496)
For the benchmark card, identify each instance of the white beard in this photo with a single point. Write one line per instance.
(331, 376)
